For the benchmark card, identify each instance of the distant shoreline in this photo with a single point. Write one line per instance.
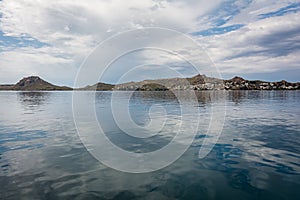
(198, 82)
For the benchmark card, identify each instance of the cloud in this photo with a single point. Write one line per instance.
(53, 21)
(46, 62)
(257, 8)
(72, 28)
(266, 45)
(52, 38)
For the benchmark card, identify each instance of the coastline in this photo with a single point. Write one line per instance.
(198, 82)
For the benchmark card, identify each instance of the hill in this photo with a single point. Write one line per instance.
(98, 87)
(198, 82)
(202, 82)
(33, 83)
(238, 83)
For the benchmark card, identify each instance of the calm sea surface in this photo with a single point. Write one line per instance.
(256, 157)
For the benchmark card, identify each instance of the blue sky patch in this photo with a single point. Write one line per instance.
(219, 30)
(226, 11)
(292, 8)
(19, 42)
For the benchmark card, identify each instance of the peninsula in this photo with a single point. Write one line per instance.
(198, 82)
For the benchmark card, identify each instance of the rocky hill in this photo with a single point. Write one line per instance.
(98, 87)
(202, 82)
(193, 83)
(238, 83)
(33, 83)
(198, 82)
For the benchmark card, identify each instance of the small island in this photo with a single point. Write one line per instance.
(198, 82)
(33, 83)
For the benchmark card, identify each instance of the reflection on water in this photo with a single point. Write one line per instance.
(237, 96)
(32, 101)
(257, 156)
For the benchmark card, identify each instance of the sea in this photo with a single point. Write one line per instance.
(46, 152)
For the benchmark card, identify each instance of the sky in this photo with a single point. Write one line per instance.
(255, 39)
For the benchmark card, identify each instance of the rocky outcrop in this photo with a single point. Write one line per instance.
(34, 83)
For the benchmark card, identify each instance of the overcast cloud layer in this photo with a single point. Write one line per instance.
(257, 39)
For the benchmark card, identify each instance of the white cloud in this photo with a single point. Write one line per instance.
(53, 21)
(69, 29)
(266, 45)
(46, 62)
(72, 28)
(257, 7)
